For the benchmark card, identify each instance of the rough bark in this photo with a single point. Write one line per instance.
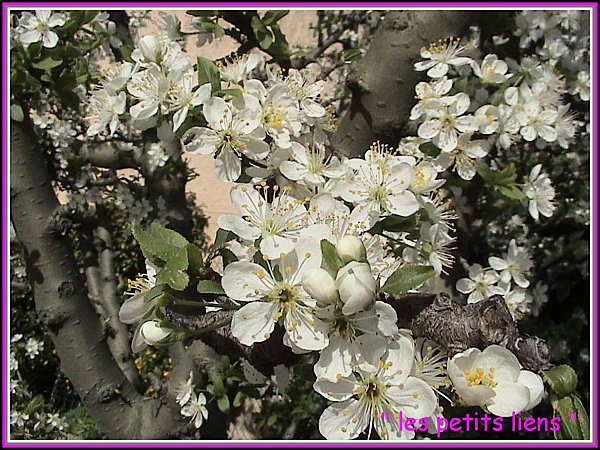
(62, 305)
(383, 82)
(117, 332)
(437, 317)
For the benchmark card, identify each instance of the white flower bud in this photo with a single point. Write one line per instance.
(320, 286)
(350, 248)
(356, 286)
(150, 48)
(152, 334)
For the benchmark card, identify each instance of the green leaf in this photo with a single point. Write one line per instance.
(407, 277)
(562, 379)
(173, 273)
(238, 400)
(218, 386)
(228, 257)
(506, 176)
(280, 46)
(430, 149)
(223, 404)
(351, 55)
(333, 262)
(263, 35)
(16, 113)
(195, 259)
(397, 224)
(582, 417)
(222, 238)
(485, 173)
(460, 85)
(236, 93)
(511, 192)
(208, 72)
(271, 420)
(47, 63)
(272, 17)
(153, 293)
(202, 13)
(168, 250)
(209, 287)
(157, 241)
(571, 429)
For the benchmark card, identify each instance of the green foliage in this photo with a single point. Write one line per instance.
(208, 72)
(577, 429)
(333, 263)
(269, 35)
(171, 252)
(562, 379)
(406, 278)
(503, 181)
(209, 287)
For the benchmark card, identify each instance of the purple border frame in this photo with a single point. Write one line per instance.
(263, 444)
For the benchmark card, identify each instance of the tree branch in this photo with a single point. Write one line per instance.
(118, 334)
(454, 327)
(117, 408)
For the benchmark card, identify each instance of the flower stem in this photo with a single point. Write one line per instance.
(224, 306)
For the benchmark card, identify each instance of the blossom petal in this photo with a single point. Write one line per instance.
(246, 281)
(510, 398)
(254, 322)
(228, 166)
(534, 383)
(336, 421)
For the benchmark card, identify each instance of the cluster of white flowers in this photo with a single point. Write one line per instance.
(192, 405)
(507, 276)
(470, 105)
(302, 202)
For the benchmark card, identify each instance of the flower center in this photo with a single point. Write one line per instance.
(379, 195)
(479, 377)
(372, 388)
(285, 295)
(274, 117)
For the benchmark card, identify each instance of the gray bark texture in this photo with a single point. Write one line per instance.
(62, 305)
(383, 81)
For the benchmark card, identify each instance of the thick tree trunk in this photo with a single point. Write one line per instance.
(383, 82)
(62, 305)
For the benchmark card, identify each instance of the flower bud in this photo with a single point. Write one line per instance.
(356, 286)
(152, 334)
(150, 48)
(350, 248)
(320, 286)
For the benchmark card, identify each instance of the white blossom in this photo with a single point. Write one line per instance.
(33, 347)
(278, 224)
(445, 122)
(515, 265)
(494, 379)
(380, 383)
(480, 284)
(270, 300)
(540, 192)
(38, 27)
(231, 133)
(196, 410)
(441, 55)
(313, 166)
